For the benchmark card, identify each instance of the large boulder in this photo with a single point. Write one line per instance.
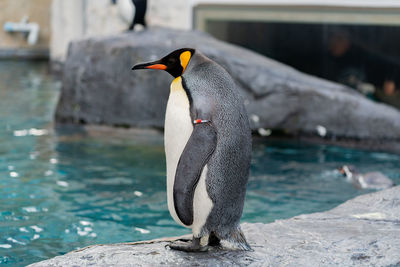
(100, 88)
(361, 232)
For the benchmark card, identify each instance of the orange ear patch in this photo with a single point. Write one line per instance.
(185, 58)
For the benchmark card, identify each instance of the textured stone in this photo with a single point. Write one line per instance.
(100, 88)
(361, 232)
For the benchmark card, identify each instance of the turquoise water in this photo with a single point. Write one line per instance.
(68, 188)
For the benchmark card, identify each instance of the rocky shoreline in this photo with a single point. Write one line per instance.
(363, 231)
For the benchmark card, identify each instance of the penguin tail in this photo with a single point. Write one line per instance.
(235, 241)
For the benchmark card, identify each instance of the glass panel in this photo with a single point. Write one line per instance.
(363, 57)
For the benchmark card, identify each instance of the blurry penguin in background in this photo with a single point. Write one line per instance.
(141, 6)
(132, 11)
(369, 180)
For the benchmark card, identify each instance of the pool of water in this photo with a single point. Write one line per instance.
(68, 188)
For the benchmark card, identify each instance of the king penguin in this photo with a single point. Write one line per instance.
(132, 11)
(208, 151)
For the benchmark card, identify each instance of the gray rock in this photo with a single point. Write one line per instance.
(100, 88)
(361, 232)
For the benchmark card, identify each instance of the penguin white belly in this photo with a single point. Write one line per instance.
(177, 131)
(202, 204)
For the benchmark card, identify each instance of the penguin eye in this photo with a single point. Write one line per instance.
(171, 61)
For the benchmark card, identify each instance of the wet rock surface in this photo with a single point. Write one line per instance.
(100, 88)
(361, 232)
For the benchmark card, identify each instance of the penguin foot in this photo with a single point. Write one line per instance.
(193, 246)
(235, 241)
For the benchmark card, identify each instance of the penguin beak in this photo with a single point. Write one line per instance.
(156, 65)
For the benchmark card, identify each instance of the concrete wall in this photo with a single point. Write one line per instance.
(170, 13)
(13, 11)
(76, 19)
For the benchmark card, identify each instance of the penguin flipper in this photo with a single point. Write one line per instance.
(197, 152)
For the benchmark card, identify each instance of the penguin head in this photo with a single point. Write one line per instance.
(347, 170)
(174, 63)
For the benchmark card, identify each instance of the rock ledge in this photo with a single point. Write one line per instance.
(100, 88)
(363, 231)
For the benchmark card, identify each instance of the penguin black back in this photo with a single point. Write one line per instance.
(229, 165)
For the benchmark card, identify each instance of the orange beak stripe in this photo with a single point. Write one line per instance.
(157, 67)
